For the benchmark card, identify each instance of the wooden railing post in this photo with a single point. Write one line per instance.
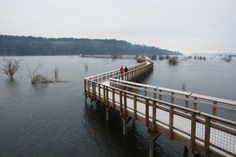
(132, 75)
(107, 96)
(160, 96)
(104, 95)
(113, 98)
(186, 101)
(85, 90)
(135, 107)
(172, 97)
(121, 109)
(99, 91)
(214, 111)
(145, 91)
(125, 104)
(171, 121)
(93, 90)
(89, 87)
(147, 113)
(207, 136)
(193, 131)
(155, 93)
(154, 115)
(195, 103)
(96, 94)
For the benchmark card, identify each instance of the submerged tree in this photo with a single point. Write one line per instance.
(153, 57)
(227, 59)
(173, 60)
(10, 67)
(37, 78)
(161, 57)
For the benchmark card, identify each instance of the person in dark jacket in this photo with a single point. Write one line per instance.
(126, 73)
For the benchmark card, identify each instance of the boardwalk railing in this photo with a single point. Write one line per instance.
(212, 105)
(133, 73)
(202, 133)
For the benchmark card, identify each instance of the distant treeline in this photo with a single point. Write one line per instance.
(28, 45)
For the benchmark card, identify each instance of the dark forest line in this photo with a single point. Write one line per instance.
(28, 45)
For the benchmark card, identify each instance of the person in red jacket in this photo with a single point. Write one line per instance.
(121, 72)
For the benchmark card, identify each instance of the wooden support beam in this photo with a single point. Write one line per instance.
(113, 98)
(154, 125)
(172, 97)
(99, 91)
(207, 136)
(153, 136)
(193, 131)
(195, 103)
(214, 110)
(88, 88)
(125, 104)
(121, 108)
(186, 100)
(147, 113)
(132, 75)
(104, 94)
(93, 90)
(171, 121)
(85, 87)
(145, 91)
(135, 107)
(107, 96)
(151, 148)
(155, 93)
(160, 96)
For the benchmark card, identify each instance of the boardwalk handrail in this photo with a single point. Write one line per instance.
(186, 96)
(114, 72)
(222, 128)
(206, 134)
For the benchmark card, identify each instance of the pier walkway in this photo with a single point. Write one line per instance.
(177, 114)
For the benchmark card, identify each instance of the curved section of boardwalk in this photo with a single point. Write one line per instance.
(202, 133)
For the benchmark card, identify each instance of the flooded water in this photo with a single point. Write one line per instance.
(53, 120)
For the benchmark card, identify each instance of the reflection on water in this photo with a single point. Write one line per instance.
(39, 86)
(86, 67)
(52, 119)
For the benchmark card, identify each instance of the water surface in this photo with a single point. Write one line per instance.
(53, 120)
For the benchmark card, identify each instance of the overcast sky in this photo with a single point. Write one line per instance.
(188, 26)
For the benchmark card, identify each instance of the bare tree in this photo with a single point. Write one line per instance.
(37, 78)
(10, 67)
(227, 59)
(173, 60)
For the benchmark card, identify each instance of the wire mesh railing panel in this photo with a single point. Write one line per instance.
(200, 131)
(182, 124)
(223, 140)
(162, 116)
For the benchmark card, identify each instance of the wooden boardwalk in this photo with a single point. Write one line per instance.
(202, 133)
